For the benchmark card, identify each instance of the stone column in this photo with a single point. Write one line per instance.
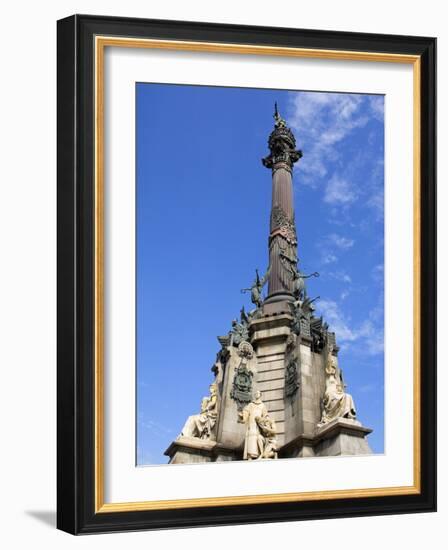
(282, 238)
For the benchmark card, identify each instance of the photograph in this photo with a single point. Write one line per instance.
(246, 258)
(259, 274)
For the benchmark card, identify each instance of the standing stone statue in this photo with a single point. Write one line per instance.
(201, 425)
(336, 403)
(260, 430)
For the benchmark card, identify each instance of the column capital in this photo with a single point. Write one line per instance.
(282, 146)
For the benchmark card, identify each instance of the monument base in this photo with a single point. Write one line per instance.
(342, 437)
(337, 438)
(191, 450)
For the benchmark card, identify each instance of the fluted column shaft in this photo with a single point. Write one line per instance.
(282, 239)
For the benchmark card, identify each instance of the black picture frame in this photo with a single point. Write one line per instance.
(76, 512)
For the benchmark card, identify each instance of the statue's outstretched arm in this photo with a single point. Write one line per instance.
(315, 274)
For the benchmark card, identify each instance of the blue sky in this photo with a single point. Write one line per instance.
(203, 204)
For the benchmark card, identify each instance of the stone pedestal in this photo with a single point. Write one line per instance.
(298, 447)
(191, 450)
(337, 438)
(295, 405)
(342, 437)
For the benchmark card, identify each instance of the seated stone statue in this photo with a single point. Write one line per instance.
(201, 425)
(336, 403)
(269, 431)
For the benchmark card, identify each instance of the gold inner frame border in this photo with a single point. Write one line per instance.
(100, 43)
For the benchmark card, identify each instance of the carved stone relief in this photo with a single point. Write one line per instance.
(241, 390)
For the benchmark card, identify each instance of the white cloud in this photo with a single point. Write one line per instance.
(375, 343)
(376, 202)
(370, 333)
(344, 294)
(378, 273)
(328, 258)
(339, 191)
(330, 244)
(373, 186)
(334, 317)
(321, 121)
(341, 242)
(341, 276)
(377, 106)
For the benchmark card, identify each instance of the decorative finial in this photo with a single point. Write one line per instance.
(282, 144)
(279, 121)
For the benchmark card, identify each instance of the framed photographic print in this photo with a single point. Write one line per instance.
(246, 274)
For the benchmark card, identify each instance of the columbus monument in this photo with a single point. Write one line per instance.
(278, 390)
